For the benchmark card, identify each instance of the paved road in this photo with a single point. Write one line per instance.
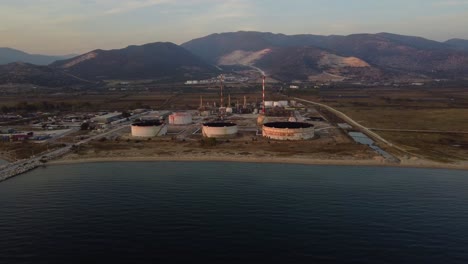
(106, 133)
(418, 130)
(190, 130)
(12, 169)
(356, 125)
(15, 168)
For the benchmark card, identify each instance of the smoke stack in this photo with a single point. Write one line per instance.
(263, 94)
(222, 96)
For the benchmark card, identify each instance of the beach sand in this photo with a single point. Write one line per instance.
(409, 163)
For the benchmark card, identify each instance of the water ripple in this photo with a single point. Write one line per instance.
(219, 212)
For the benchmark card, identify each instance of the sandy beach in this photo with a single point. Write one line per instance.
(291, 160)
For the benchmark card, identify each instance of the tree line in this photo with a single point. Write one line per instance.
(45, 106)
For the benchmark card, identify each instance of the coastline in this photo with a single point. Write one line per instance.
(293, 160)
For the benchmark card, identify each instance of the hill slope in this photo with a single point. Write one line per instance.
(8, 55)
(38, 75)
(299, 63)
(160, 60)
(390, 53)
(461, 44)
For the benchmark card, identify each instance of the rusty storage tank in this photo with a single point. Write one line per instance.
(288, 130)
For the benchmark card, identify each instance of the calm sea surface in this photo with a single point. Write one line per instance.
(215, 212)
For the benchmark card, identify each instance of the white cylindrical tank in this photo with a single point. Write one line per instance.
(268, 103)
(229, 110)
(149, 129)
(219, 130)
(180, 119)
(288, 130)
(276, 104)
(283, 103)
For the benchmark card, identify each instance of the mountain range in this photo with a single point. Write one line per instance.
(26, 73)
(9, 55)
(161, 60)
(461, 44)
(363, 57)
(384, 54)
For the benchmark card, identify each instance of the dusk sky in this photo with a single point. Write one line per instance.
(77, 26)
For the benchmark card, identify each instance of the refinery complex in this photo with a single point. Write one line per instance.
(276, 126)
(277, 120)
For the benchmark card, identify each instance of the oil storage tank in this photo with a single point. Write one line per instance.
(219, 130)
(288, 130)
(149, 129)
(180, 118)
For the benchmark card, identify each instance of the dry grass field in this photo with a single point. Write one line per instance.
(411, 109)
(164, 147)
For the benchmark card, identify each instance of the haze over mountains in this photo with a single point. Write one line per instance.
(9, 55)
(361, 57)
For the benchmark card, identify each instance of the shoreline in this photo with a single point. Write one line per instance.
(276, 160)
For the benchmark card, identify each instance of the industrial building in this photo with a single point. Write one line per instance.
(155, 115)
(16, 137)
(180, 118)
(288, 130)
(270, 104)
(149, 129)
(107, 118)
(219, 130)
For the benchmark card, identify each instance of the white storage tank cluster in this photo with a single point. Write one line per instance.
(288, 130)
(181, 118)
(149, 129)
(270, 104)
(219, 130)
(283, 103)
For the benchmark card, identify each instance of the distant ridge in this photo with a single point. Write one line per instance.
(357, 57)
(9, 55)
(27, 73)
(160, 60)
(461, 44)
(389, 55)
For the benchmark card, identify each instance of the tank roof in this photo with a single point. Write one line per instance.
(147, 123)
(219, 124)
(181, 114)
(289, 125)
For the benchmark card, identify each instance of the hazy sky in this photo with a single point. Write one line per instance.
(77, 26)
